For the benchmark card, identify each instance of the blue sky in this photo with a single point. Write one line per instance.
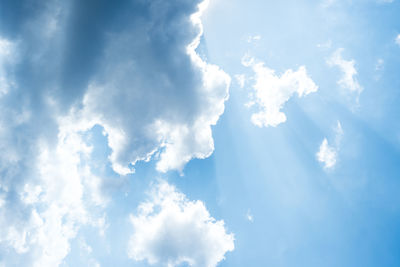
(190, 133)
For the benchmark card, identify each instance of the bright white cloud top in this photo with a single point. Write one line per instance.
(163, 110)
(271, 91)
(170, 230)
(347, 67)
(62, 196)
(100, 100)
(328, 154)
(144, 85)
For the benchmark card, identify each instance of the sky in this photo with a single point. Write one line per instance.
(200, 133)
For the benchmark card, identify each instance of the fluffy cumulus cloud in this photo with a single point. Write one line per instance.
(349, 71)
(327, 153)
(169, 230)
(46, 197)
(66, 66)
(271, 91)
(162, 98)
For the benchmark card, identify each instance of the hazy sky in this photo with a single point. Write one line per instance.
(200, 133)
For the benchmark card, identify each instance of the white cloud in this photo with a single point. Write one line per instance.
(47, 192)
(249, 216)
(271, 92)
(348, 80)
(164, 112)
(398, 39)
(142, 81)
(253, 38)
(59, 200)
(86, 253)
(170, 230)
(241, 80)
(327, 153)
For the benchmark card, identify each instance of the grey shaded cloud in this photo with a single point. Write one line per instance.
(130, 67)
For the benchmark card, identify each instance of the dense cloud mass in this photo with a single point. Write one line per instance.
(65, 66)
(171, 230)
(161, 97)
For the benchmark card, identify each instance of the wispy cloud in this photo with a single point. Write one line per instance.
(328, 153)
(249, 216)
(349, 80)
